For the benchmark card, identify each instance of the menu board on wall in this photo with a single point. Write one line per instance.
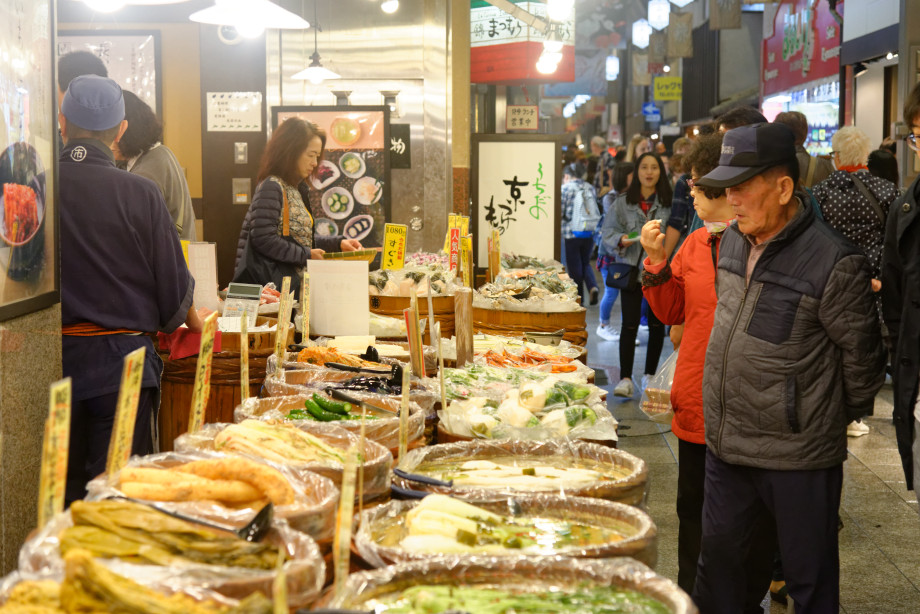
(29, 277)
(516, 183)
(350, 190)
(130, 56)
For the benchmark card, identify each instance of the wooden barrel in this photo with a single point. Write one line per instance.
(179, 380)
(393, 306)
(516, 323)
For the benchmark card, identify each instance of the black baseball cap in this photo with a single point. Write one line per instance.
(748, 151)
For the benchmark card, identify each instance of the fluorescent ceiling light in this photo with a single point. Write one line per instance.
(244, 14)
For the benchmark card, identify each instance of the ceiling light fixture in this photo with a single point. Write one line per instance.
(681, 3)
(389, 6)
(553, 41)
(859, 69)
(659, 13)
(560, 10)
(250, 17)
(316, 73)
(641, 31)
(666, 68)
(612, 67)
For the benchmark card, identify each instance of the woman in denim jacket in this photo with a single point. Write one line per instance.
(647, 198)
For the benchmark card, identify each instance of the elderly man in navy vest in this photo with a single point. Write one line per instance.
(795, 355)
(123, 276)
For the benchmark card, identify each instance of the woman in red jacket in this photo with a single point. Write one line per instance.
(684, 292)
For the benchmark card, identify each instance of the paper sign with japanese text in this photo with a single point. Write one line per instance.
(454, 250)
(55, 449)
(132, 376)
(394, 246)
(522, 117)
(244, 356)
(453, 221)
(668, 88)
(305, 308)
(284, 316)
(202, 389)
(464, 225)
(466, 260)
(341, 549)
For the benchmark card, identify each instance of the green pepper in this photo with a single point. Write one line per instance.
(330, 405)
(299, 414)
(321, 414)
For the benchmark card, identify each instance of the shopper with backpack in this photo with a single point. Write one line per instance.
(580, 215)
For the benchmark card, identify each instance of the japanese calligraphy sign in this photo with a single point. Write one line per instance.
(129, 393)
(400, 146)
(56, 447)
(453, 221)
(668, 88)
(454, 251)
(516, 193)
(466, 260)
(202, 389)
(680, 35)
(284, 317)
(522, 117)
(394, 246)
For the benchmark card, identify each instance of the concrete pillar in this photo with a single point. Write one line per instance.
(460, 105)
(30, 359)
(908, 77)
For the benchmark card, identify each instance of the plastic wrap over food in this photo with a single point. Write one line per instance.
(519, 262)
(89, 585)
(492, 296)
(413, 280)
(384, 429)
(324, 453)
(305, 569)
(308, 381)
(308, 502)
(530, 525)
(483, 468)
(483, 343)
(493, 383)
(558, 584)
(387, 328)
(476, 418)
(391, 353)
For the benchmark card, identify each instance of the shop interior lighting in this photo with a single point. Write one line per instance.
(654, 136)
(548, 62)
(389, 6)
(641, 31)
(560, 10)
(659, 13)
(696, 131)
(250, 17)
(681, 3)
(553, 41)
(316, 73)
(859, 69)
(891, 55)
(612, 67)
(666, 68)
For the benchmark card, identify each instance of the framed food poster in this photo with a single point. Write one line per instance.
(132, 58)
(350, 189)
(29, 272)
(516, 181)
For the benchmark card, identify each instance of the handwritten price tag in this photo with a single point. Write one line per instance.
(56, 447)
(244, 356)
(341, 552)
(132, 376)
(202, 389)
(281, 330)
(394, 246)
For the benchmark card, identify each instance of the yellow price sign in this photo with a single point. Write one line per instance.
(55, 449)
(281, 329)
(466, 260)
(202, 389)
(453, 221)
(394, 246)
(669, 88)
(244, 356)
(132, 376)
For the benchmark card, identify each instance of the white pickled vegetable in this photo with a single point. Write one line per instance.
(555, 422)
(533, 396)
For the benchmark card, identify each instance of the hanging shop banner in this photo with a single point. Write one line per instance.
(640, 74)
(680, 35)
(803, 46)
(522, 117)
(504, 49)
(724, 14)
(29, 278)
(350, 189)
(400, 146)
(658, 47)
(668, 88)
(516, 193)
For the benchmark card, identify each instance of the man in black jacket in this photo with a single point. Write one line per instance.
(901, 304)
(795, 354)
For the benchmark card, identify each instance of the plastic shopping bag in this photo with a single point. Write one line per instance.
(656, 398)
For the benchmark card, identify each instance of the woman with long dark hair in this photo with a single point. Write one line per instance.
(647, 198)
(291, 155)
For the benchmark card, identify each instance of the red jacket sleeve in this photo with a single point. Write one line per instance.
(667, 299)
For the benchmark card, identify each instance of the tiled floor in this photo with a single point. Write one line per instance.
(880, 540)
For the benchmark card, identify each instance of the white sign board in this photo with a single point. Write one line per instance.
(338, 297)
(234, 111)
(522, 117)
(516, 194)
(490, 25)
(202, 264)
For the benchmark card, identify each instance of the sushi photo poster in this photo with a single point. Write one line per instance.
(516, 184)
(350, 189)
(29, 269)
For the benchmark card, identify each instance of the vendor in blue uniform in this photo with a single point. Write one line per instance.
(122, 276)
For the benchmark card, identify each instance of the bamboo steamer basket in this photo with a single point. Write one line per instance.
(516, 323)
(393, 306)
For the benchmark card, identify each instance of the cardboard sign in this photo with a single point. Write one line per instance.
(56, 447)
(202, 389)
(341, 548)
(132, 376)
(284, 316)
(394, 246)
(244, 357)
